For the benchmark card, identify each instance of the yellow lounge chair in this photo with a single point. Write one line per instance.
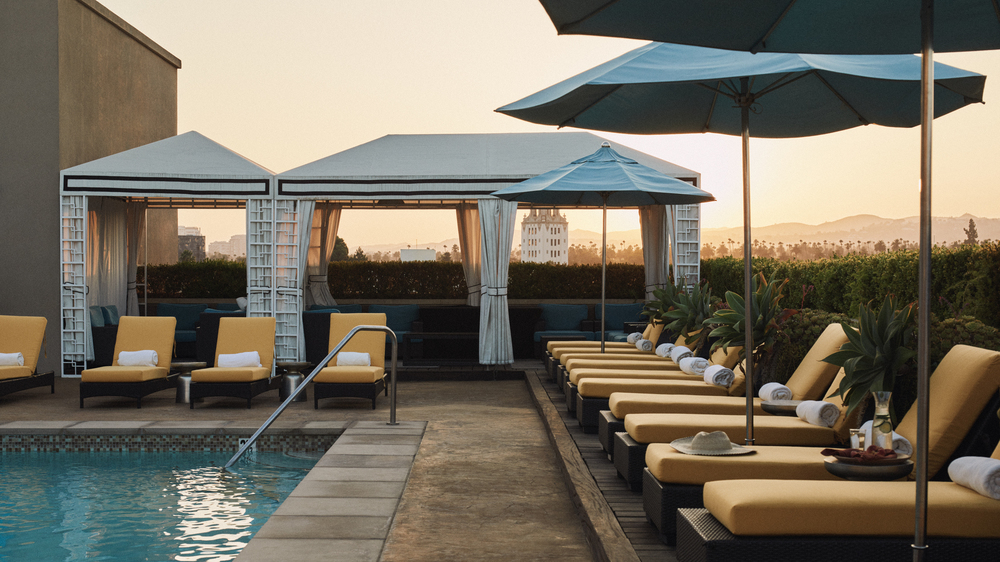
(135, 333)
(963, 400)
(24, 335)
(239, 335)
(336, 381)
(765, 520)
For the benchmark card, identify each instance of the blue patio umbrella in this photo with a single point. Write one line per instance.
(601, 179)
(667, 88)
(820, 26)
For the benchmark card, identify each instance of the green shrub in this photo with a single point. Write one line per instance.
(209, 279)
(796, 335)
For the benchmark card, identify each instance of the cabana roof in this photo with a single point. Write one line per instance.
(190, 165)
(455, 167)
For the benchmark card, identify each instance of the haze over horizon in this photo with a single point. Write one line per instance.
(285, 84)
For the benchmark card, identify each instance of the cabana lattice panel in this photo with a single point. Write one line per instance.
(687, 245)
(288, 294)
(73, 282)
(260, 263)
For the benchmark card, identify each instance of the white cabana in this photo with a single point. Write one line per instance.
(435, 171)
(102, 205)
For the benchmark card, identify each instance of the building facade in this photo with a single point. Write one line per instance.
(545, 237)
(78, 83)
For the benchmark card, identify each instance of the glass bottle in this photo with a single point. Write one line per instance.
(882, 424)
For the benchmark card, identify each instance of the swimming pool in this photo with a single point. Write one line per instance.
(129, 506)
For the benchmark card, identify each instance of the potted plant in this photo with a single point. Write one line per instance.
(688, 315)
(766, 313)
(876, 353)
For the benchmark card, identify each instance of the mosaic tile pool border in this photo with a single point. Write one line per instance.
(161, 443)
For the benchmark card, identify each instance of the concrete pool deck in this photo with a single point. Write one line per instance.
(470, 473)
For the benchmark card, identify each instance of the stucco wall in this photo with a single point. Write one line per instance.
(75, 87)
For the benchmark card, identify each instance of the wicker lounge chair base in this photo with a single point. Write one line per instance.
(571, 394)
(137, 390)
(24, 383)
(661, 502)
(701, 538)
(244, 390)
(588, 410)
(607, 426)
(630, 459)
(369, 391)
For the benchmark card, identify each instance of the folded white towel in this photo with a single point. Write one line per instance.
(981, 474)
(634, 337)
(694, 365)
(775, 391)
(353, 359)
(719, 375)
(818, 412)
(663, 350)
(143, 358)
(235, 360)
(644, 345)
(901, 445)
(11, 360)
(679, 352)
(242, 303)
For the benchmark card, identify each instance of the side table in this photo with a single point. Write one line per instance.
(292, 378)
(184, 369)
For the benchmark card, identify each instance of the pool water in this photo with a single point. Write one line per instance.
(138, 506)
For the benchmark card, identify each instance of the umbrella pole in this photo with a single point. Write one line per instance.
(604, 259)
(745, 101)
(924, 286)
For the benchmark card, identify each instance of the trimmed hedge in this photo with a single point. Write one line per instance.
(209, 279)
(965, 280)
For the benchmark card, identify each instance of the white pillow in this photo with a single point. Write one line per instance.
(242, 303)
(11, 360)
(353, 359)
(143, 358)
(235, 360)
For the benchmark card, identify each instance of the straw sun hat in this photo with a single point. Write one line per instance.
(705, 443)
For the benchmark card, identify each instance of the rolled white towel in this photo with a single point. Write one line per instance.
(11, 360)
(818, 412)
(634, 337)
(719, 375)
(644, 345)
(981, 474)
(143, 358)
(353, 359)
(663, 350)
(775, 391)
(901, 445)
(694, 365)
(236, 360)
(679, 352)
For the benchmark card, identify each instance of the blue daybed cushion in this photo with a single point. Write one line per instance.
(96, 317)
(563, 316)
(619, 314)
(110, 314)
(182, 336)
(223, 311)
(398, 317)
(227, 306)
(186, 315)
(587, 336)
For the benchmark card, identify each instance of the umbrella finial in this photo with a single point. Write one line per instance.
(605, 144)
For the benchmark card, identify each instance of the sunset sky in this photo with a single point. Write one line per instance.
(287, 83)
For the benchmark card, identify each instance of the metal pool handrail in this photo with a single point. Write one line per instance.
(291, 397)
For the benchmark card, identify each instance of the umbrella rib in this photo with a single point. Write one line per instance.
(571, 24)
(572, 119)
(711, 111)
(841, 98)
(762, 42)
(781, 82)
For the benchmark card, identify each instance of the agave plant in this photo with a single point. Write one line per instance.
(766, 314)
(664, 300)
(875, 354)
(689, 313)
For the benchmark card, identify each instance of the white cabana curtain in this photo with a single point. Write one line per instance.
(325, 222)
(497, 220)
(107, 282)
(135, 218)
(655, 221)
(471, 245)
(305, 216)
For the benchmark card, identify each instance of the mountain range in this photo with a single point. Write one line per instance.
(855, 228)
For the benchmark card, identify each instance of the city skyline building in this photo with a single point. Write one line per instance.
(545, 237)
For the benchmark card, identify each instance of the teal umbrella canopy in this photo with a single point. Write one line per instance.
(787, 26)
(667, 88)
(604, 177)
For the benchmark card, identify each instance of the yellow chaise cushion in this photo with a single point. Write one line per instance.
(803, 507)
(619, 362)
(116, 373)
(813, 375)
(625, 403)
(350, 374)
(372, 343)
(239, 335)
(24, 335)
(230, 374)
(14, 372)
(577, 375)
(137, 333)
(766, 462)
(768, 430)
(602, 388)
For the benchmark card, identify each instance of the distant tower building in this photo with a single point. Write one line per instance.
(189, 238)
(545, 237)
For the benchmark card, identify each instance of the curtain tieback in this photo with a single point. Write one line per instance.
(477, 288)
(131, 285)
(317, 279)
(496, 291)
